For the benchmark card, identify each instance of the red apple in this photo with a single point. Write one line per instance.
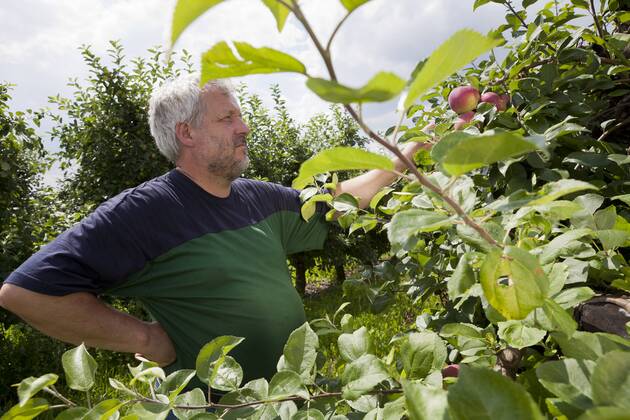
(451, 371)
(494, 99)
(463, 99)
(464, 119)
(505, 102)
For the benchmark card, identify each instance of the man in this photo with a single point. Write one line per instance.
(202, 249)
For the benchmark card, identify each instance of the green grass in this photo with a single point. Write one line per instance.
(398, 318)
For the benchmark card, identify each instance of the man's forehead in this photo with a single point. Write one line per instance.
(219, 100)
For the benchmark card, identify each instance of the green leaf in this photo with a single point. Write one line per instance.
(340, 159)
(559, 318)
(280, 12)
(518, 335)
(382, 87)
(612, 239)
(196, 397)
(462, 278)
(422, 353)
(32, 385)
(460, 49)
(362, 376)
(345, 202)
(605, 218)
(286, 384)
(586, 345)
(308, 414)
(570, 298)
(213, 351)
(186, 11)
(625, 198)
(308, 208)
(569, 379)
(472, 152)
(80, 368)
(425, 403)
(481, 394)
(408, 223)
(116, 384)
(221, 62)
(605, 413)
(241, 396)
(479, 3)
(352, 346)
(149, 410)
(148, 375)
(557, 189)
(513, 282)
(300, 351)
(175, 383)
(106, 409)
(558, 244)
(30, 409)
(611, 380)
(74, 413)
(350, 5)
(563, 128)
(379, 196)
(226, 375)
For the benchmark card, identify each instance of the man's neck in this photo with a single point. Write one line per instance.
(217, 186)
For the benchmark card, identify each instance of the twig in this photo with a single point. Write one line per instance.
(53, 391)
(613, 128)
(509, 5)
(600, 32)
(402, 117)
(332, 36)
(272, 401)
(524, 69)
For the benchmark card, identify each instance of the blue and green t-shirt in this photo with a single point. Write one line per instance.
(202, 266)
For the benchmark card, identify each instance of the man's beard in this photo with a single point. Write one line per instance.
(229, 170)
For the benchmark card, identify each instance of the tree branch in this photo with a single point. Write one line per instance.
(600, 32)
(271, 401)
(332, 36)
(509, 5)
(423, 180)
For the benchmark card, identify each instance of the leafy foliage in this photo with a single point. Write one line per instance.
(510, 224)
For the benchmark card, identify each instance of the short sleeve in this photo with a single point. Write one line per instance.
(92, 256)
(299, 235)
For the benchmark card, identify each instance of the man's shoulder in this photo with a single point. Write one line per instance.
(246, 184)
(145, 197)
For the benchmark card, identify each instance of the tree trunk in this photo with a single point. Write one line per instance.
(340, 274)
(300, 274)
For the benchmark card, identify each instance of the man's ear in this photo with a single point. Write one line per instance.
(182, 132)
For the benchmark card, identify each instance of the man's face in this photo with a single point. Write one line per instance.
(221, 135)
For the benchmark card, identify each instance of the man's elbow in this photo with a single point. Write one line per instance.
(7, 296)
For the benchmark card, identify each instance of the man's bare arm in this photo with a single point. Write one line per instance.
(83, 318)
(366, 185)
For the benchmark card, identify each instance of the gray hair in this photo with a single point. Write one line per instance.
(178, 100)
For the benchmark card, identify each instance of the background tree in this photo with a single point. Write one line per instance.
(103, 129)
(23, 161)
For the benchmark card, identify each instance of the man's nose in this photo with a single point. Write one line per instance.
(242, 127)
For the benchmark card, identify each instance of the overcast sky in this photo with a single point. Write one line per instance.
(40, 41)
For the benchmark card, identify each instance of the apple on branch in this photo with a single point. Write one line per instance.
(463, 99)
(464, 119)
